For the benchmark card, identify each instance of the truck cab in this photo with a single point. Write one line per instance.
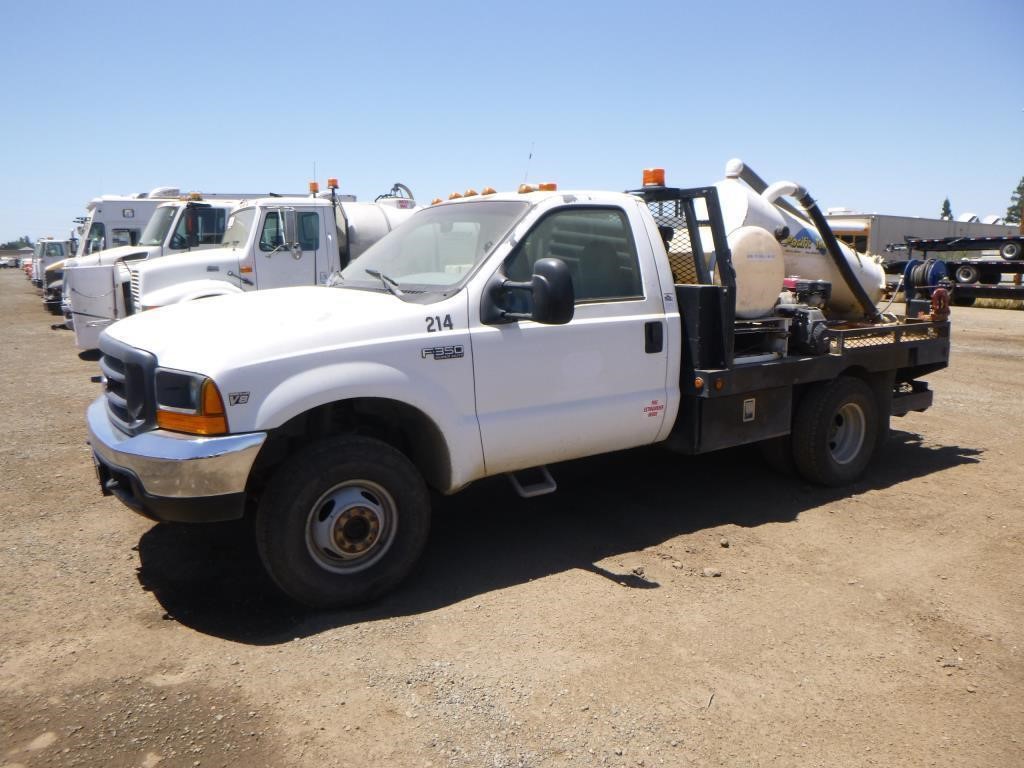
(47, 251)
(270, 242)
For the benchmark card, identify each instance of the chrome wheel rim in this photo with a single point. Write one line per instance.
(846, 435)
(351, 526)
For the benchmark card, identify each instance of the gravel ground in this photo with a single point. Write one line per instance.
(656, 611)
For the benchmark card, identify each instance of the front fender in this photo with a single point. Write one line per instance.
(308, 389)
(194, 289)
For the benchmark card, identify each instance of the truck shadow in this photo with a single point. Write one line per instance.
(486, 538)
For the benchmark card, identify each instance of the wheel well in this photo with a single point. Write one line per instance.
(881, 383)
(398, 424)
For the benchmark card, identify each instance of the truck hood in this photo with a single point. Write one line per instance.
(218, 334)
(113, 255)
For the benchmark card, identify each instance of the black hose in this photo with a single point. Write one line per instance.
(832, 246)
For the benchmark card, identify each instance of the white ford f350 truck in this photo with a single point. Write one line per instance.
(495, 334)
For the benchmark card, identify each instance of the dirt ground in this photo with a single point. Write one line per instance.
(879, 625)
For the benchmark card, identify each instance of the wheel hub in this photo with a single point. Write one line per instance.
(356, 530)
(846, 435)
(351, 526)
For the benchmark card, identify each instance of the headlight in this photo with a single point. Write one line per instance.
(188, 402)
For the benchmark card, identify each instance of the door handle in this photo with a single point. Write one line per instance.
(654, 336)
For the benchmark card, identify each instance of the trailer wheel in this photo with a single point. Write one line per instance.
(835, 431)
(342, 522)
(1010, 251)
(967, 273)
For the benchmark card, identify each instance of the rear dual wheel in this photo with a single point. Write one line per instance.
(836, 429)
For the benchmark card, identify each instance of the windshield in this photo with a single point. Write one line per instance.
(158, 226)
(239, 226)
(438, 247)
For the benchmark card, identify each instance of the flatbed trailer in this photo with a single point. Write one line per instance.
(968, 278)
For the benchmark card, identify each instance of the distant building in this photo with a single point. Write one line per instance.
(871, 232)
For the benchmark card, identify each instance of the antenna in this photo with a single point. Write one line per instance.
(529, 157)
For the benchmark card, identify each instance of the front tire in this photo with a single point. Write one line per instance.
(835, 432)
(342, 522)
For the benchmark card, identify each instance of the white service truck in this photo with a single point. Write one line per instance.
(46, 252)
(94, 287)
(497, 334)
(271, 242)
(116, 220)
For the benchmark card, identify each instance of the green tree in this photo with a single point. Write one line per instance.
(947, 212)
(14, 245)
(1013, 212)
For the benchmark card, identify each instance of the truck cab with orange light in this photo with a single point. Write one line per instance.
(270, 242)
(497, 334)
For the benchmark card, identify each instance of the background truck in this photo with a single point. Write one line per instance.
(116, 220)
(272, 242)
(968, 278)
(94, 296)
(46, 252)
(498, 334)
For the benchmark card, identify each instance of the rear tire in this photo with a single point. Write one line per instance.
(1010, 251)
(342, 522)
(835, 432)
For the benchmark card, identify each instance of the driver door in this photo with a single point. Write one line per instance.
(277, 265)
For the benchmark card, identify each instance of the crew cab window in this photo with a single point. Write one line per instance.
(308, 223)
(597, 246)
(272, 235)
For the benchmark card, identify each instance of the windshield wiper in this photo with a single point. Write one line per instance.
(389, 282)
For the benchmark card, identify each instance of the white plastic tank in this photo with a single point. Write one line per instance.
(803, 251)
(758, 263)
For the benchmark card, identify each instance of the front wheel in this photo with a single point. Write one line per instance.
(342, 522)
(835, 431)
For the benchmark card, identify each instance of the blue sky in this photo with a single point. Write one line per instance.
(877, 106)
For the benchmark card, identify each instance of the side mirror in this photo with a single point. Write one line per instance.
(291, 233)
(552, 298)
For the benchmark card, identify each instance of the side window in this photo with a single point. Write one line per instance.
(308, 223)
(97, 236)
(208, 224)
(597, 246)
(272, 234)
(124, 237)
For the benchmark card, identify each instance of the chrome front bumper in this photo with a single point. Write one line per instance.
(171, 476)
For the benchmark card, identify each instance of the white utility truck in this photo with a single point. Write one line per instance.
(116, 220)
(46, 252)
(497, 334)
(95, 286)
(272, 242)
